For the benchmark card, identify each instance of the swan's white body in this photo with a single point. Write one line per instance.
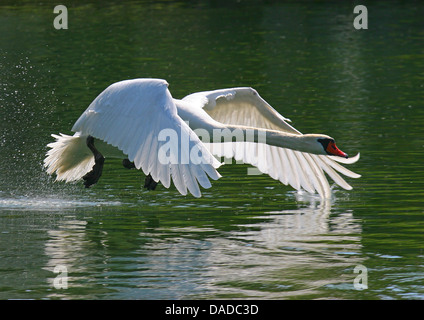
(137, 119)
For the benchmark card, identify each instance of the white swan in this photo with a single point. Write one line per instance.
(139, 121)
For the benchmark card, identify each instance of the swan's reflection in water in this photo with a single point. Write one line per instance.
(67, 247)
(278, 254)
(295, 252)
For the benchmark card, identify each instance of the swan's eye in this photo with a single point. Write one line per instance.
(324, 142)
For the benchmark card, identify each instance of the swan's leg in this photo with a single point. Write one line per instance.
(149, 183)
(94, 175)
(128, 164)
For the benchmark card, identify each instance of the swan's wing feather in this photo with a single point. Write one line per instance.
(244, 106)
(140, 118)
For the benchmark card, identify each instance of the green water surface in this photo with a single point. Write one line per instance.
(248, 236)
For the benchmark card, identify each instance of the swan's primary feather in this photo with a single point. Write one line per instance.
(244, 106)
(130, 115)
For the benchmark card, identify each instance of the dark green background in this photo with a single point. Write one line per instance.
(248, 236)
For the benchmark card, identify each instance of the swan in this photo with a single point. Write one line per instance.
(140, 122)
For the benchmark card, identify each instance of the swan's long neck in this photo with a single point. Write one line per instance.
(214, 131)
(236, 133)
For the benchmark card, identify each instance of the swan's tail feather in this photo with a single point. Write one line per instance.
(69, 157)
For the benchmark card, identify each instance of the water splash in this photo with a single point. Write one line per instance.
(50, 203)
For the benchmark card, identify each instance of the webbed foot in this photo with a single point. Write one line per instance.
(149, 183)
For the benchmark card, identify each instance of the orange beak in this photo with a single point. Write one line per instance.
(333, 150)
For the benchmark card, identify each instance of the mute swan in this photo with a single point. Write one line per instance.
(139, 121)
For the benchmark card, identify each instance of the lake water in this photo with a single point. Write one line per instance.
(248, 236)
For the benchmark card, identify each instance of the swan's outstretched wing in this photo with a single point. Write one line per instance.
(244, 106)
(240, 106)
(140, 118)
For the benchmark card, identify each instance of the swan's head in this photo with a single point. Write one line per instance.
(330, 148)
(323, 144)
